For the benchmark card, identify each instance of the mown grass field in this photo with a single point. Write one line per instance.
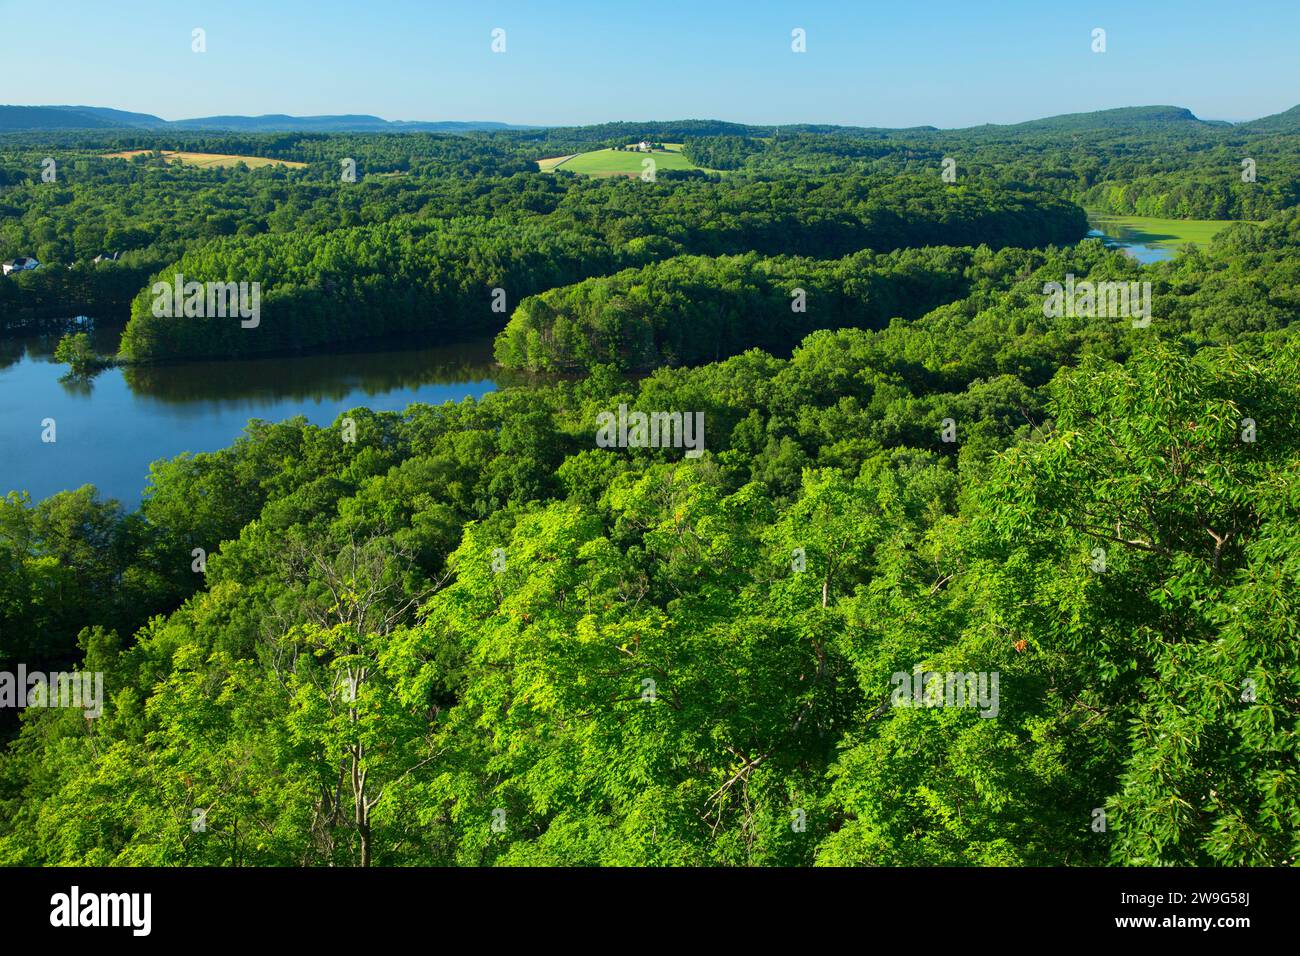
(547, 165)
(613, 162)
(210, 160)
(1166, 233)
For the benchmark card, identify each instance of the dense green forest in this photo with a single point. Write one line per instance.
(693, 309)
(472, 634)
(410, 275)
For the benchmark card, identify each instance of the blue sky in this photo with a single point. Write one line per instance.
(868, 62)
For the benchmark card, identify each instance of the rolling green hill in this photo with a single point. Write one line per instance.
(1124, 118)
(1285, 122)
(613, 162)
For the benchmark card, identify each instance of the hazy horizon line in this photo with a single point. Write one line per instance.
(684, 118)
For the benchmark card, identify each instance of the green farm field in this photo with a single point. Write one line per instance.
(548, 165)
(613, 162)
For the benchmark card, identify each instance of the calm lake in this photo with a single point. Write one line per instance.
(1140, 251)
(111, 428)
(1149, 239)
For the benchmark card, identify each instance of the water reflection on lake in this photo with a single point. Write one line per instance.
(110, 428)
(1129, 241)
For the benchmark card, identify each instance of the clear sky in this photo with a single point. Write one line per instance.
(868, 62)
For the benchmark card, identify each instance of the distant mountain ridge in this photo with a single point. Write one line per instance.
(1123, 117)
(1286, 122)
(280, 123)
(21, 118)
(24, 118)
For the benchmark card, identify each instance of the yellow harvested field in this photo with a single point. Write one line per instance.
(209, 160)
